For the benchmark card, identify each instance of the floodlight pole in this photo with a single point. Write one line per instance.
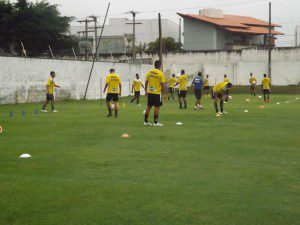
(160, 41)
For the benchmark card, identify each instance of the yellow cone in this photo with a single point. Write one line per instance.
(124, 105)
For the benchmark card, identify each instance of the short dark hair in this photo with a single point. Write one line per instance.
(157, 64)
(207, 75)
(200, 74)
(173, 75)
(52, 72)
(182, 72)
(112, 70)
(225, 75)
(265, 75)
(229, 85)
(137, 74)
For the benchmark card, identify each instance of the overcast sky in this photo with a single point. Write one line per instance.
(284, 12)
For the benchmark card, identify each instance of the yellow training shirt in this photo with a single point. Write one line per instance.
(172, 81)
(51, 84)
(183, 82)
(206, 82)
(266, 83)
(219, 88)
(113, 81)
(252, 80)
(155, 78)
(137, 83)
(226, 80)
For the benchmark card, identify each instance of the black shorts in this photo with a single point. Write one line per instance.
(49, 97)
(216, 95)
(154, 100)
(266, 91)
(171, 90)
(182, 94)
(206, 88)
(112, 97)
(198, 94)
(137, 93)
(252, 86)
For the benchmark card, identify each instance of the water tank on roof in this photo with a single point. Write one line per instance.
(214, 13)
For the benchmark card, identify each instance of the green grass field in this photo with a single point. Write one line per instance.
(242, 168)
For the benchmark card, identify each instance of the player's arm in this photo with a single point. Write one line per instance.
(142, 86)
(48, 88)
(106, 85)
(163, 87)
(132, 88)
(146, 87)
(120, 89)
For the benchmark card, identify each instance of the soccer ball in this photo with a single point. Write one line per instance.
(144, 112)
(230, 97)
(247, 100)
(259, 97)
(1, 129)
(112, 106)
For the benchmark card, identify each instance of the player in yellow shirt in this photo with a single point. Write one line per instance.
(171, 81)
(226, 95)
(114, 89)
(252, 81)
(183, 87)
(206, 85)
(136, 87)
(50, 91)
(155, 86)
(266, 83)
(218, 92)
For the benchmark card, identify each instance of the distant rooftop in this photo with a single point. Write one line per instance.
(233, 23)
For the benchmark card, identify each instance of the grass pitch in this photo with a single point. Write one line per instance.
(242, 168)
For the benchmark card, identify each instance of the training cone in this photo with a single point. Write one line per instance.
(1, 129)
(25, 155)
(261, 107)
(278, 103)
(124, 105)
(125, 136)
(179, 123)
(246, 111)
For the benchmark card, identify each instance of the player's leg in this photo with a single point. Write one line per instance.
(108, 99)
(48, 99)
(180, 100)
(157, 104)
(116, 103)
(138, 98)
(215, 99)
(253, 90)
(221, 104)
(265, 95)
(52, 105)
(268, 95)
(148, 108)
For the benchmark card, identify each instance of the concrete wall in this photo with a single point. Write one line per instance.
(23, 80)
(237, 64)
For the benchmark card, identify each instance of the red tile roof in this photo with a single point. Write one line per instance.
(240, 24)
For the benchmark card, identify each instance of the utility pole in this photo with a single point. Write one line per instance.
(269, 42)
(86, 32)
(96, 34)
(160, 40)
(180, 31)
(133, 33)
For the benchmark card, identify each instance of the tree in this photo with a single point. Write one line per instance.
(37, 25)
(169, 45)
(6, 11)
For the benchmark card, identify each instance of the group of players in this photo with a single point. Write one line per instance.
(156, 87)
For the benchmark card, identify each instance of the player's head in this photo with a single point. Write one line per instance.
(157, 64)
(199, 74)
(225, 75)
(182, 72)
(207, 76)
(251, 74)
(228, 85)
(137, 76)
(265, 75)
(173, 75)
(112, 70)
(52, 74)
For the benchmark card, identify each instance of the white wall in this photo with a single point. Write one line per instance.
(238, 65)
(23, 80)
